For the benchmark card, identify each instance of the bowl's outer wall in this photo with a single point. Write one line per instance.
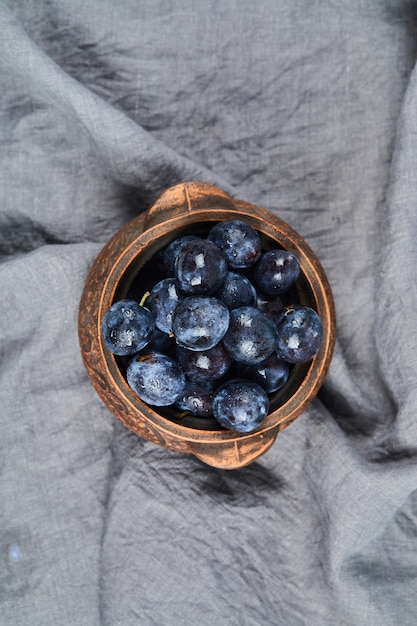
(177, 209)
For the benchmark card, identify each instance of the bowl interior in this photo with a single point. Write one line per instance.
(144, 269)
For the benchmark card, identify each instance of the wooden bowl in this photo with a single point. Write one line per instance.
(126, 260)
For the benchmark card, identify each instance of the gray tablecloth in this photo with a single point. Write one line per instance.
(309, 109)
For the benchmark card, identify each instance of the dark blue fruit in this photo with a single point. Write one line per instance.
(236, 291)
(269, 306)
(197, 397)
(273, 305)
(200, 268)
(271, 374)
(160, 341)
(239, 242)
(251, 336)
(300, 334)
(209, 364)
(240, 405)
(170, 254)
(155, 378)
(162, 302)
(199, 323)
(127, 327)
(276, 272)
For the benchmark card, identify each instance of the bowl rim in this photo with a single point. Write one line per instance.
(127, 252)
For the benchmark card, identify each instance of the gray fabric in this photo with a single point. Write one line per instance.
(308, 108)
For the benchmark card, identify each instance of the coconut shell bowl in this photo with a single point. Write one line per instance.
(125, 265)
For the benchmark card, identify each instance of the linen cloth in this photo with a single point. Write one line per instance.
(309, 109)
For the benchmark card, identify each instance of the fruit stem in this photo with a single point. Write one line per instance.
(179, 416)
(144, 298)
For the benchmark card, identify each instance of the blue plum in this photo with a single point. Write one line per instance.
(276, 272)
(209, 364)
(170, 253)
(199, 323)
(251, 336)
(155, 378)
(271, 374)
(196, 397)
(160, 341)
(200, 268)
(236, 290)
(239, 242)
(240, 405)
(127, 327)
(162, 301)
(300, 333)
